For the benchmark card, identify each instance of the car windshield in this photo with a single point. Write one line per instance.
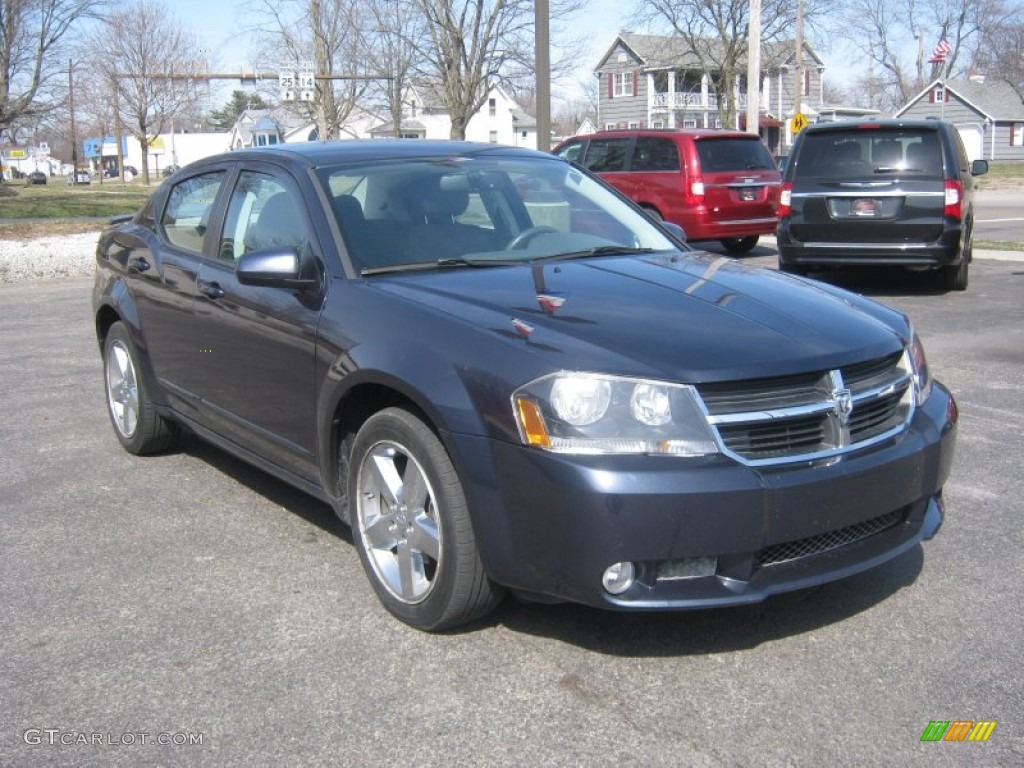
(438, 213)
(871, 152)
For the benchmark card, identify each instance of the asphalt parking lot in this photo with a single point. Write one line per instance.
(188, 597)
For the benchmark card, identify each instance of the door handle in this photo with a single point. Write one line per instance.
(211, 290)
(138, 263)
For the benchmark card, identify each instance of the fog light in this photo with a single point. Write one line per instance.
(618, 578)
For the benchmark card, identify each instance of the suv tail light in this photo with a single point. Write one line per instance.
(785, 198)
(954, 199)
(695, 194)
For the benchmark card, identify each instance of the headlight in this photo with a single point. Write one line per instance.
(594, 413)
(919, 370)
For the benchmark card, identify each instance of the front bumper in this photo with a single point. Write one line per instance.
(549, 525)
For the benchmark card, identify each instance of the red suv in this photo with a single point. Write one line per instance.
(716, 185)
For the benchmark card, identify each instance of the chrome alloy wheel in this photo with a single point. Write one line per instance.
(398, 521)
(122, 389)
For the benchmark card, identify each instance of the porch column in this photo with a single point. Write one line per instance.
(670, 99)
(650, 98)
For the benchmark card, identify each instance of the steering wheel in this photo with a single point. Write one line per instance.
(527, 235)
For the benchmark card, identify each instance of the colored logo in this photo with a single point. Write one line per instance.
(958, 730)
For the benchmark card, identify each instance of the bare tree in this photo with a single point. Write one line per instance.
(31, 36)
(1002, 54)
(395, 39)
(156, 66)
(474, 45)
(330, 35)
(899, 37)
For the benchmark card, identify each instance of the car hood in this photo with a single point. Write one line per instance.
(686, 317)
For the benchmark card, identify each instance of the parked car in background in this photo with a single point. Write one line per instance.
(80, 176)
(36, 177)
(170, 170)
(879, 193)
(504, 376)
(716, 185)
(112, 172)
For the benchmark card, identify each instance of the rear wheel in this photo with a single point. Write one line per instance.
(138, 426)
(411, 525)
(739, 245)
(956, 277)
(653, 213)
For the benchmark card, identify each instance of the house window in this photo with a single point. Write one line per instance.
(939, 94)
(807, 82)
(492, 107)
(622, 84)
(493, 137)
(1017, 135)
(689, 123)
(609, 126)
(658, 124)
(634, 125)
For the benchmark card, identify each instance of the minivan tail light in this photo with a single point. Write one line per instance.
(786, 198)
(697, 191)
(954, 199)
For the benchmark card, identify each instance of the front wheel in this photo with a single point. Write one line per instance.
(138, 426)
(740, 245)
(411, 525)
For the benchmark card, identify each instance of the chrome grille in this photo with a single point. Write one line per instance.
(810, 416)
(824, 542)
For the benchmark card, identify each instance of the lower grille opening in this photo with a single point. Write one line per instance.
(824, 542)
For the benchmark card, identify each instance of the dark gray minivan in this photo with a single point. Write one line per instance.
(879, 192)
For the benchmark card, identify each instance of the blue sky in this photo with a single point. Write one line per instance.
(216, 25)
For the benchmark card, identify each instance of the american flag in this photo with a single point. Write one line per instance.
(941, 51)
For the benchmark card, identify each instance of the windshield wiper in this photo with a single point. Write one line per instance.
(603, 250)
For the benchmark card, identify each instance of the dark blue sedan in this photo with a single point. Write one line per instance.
(505, 376)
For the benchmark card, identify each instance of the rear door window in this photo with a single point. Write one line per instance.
(607, 155)
(733, 154)
(651, 153)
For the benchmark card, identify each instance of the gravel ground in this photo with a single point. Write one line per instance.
(47, 257)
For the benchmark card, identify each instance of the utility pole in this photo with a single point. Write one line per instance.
(74, 137)
(543, 58)
(798, 91)
(754, 68)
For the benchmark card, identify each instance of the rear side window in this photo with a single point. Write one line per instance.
(653, 154)
(606, 155)
(899, 152)
(733, 154)
(187, 213)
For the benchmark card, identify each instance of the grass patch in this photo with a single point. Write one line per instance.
(56, 200)
(30, 230)
(998, 245)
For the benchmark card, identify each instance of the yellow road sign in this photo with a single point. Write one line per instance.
(798, 123)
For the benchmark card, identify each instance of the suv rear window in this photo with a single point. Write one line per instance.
(733, 154)
(838, 154)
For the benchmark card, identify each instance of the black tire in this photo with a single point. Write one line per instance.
(737, 246)
(411, 525)
(653, 213)
(138, 426)
(956, 277)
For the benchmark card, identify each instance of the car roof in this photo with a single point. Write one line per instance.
(327, 153)
(696, 133)
(846, 125)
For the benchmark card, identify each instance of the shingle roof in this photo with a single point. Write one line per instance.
(996, 98)
(660, 51)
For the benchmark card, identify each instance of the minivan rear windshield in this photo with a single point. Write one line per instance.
(884, 152)
(733, 154)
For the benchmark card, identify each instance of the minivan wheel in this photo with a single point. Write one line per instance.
(739, 245)
(411, 525)
(956, 277)
(138, 426)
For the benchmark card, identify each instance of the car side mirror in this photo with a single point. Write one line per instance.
(272, 267)
(979, 167)
(675, 230)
